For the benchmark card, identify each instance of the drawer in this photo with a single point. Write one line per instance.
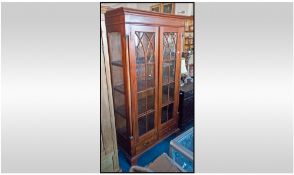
(140, 147)
(167, 130)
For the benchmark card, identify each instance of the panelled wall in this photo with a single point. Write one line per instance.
(109, 153)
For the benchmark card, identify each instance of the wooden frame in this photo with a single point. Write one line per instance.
(156, 8)
(128, 21)
(172, 123)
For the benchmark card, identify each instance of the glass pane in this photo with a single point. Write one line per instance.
(145, 43)
(120, 125)
(140, 70)
(150, 75)
(169, 45)
(165, 72)
(145, 59)
(141, 84)
(150, 47)
(164, 94)
(142, 125)
(164, 114)
(114, 39)
(168, 72)
(145, 101)
(140, 52)
(150, 100)
(141, 103)
(150, 121)
(117, 77)
(166, 51)
(170, 111)
(115, 47)
(171, 91)
(172, 71)
(167, 8)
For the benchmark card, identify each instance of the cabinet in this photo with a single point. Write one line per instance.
(145, 49)
(186, 105)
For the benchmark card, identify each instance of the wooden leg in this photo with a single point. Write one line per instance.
(134, 161)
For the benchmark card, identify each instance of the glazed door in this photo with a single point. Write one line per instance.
(169, 75)
(144, 80)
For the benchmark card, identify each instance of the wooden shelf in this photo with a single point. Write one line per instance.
(145, 113)
(143, 101)
(119, 88)
(168, 102)
(170, 82)
(117, 63)
(145, 90)
(142, 61)
(122, 132)
(120, 110)
(144, 85)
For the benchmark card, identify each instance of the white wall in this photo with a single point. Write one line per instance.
(187, 7)
(117, 5)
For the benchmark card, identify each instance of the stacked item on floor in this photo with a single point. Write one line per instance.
(182, 150)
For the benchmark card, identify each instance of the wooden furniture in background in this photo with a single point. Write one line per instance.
(109, 153)
(186, 105)
(145, 53)
(189, 33)
(164, 8)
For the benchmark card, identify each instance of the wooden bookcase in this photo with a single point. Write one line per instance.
(189, 33)
(145, 52)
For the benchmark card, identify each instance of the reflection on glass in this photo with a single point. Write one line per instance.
(141, 84)
(166, 53)
(140, 70)
(165, 73)
(172, 71)
(150, 75)
(150, 57)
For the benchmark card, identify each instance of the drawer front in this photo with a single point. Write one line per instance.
(167, 130)
(143, 145)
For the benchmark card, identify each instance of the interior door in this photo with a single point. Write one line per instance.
(169, 75)
(144, 80)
